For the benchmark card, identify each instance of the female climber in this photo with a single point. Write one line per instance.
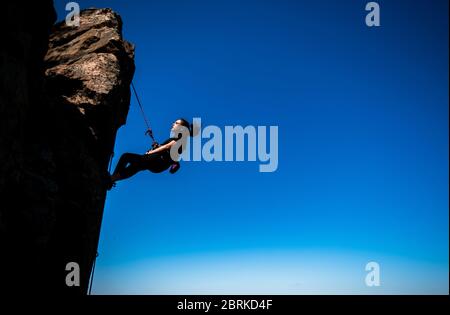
(156, 160)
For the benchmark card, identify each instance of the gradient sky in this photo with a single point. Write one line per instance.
(363, 149)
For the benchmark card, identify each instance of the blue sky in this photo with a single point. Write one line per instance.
(363, 149)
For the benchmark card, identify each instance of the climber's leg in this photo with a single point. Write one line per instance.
(123, 161)
(129, 164)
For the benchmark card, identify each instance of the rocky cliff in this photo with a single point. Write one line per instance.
(64, 93)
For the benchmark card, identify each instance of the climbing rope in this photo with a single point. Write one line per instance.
(149, 129)
(154, 145)
(110, 162)
(91, 277)
(91, 280)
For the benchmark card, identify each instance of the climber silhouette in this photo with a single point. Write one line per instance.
(155, 160)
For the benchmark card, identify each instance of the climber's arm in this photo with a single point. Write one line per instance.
(161, 148)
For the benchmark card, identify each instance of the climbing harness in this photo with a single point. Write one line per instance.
(149, 130)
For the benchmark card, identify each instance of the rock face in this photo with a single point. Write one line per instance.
(60, 110)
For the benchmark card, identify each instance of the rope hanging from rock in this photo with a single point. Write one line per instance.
(91, 278)
(149, 130)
